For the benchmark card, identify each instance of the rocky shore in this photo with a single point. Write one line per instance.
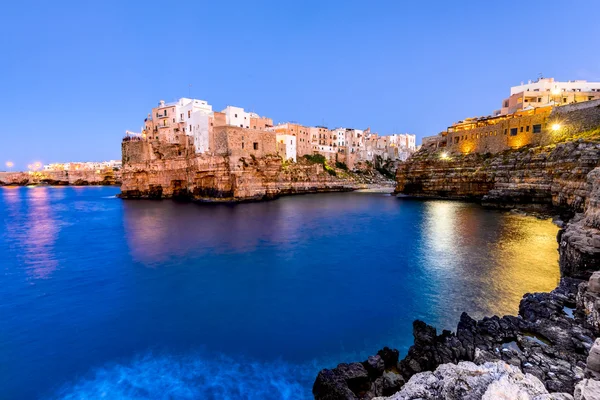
(61, 178)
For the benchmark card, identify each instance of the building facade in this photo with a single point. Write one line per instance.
(546, 92)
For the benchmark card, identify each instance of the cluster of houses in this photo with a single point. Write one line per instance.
(84, 166)
(526, 117)
(193, 123)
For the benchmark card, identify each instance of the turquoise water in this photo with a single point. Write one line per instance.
(104, 298)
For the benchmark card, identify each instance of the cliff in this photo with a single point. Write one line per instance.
(554, 175)
(168, 171)
(76, 178)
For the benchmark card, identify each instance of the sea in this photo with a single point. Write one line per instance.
(104, 298)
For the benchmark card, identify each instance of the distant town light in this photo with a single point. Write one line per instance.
(556, 127)
(444, 156)
(10, 164)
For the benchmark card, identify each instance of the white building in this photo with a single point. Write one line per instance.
(286, 146)
(339, 135)
(236, 116)
(546, 92)
(196, 116)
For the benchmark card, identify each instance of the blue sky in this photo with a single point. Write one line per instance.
(75, 75)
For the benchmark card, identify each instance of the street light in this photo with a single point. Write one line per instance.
(9, 165)
(556, 127)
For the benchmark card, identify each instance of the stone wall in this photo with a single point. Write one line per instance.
(532, 127)
(507, 133)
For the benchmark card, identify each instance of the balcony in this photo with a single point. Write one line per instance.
(161, 116)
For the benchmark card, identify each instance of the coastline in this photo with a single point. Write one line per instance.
(552, 339)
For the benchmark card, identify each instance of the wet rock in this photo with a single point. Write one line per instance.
(344, 382)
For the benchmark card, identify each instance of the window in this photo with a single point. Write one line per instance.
(241, 125)
(255, 146)
(527, 128)
(165, 113)
(590, 97)
(242, 145)
(173, 119)
(513, 131)
(521, 129)
(181, 116)
(505, 131)
(189, 113)
(537, 128)
(235, 115)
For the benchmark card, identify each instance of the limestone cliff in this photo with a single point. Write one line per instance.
(157, 171)
(59, 178)
(550, 175)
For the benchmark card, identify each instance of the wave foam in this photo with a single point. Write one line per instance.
(170, 377)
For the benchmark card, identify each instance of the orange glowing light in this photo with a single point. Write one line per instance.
(10, 164)
(556, 127)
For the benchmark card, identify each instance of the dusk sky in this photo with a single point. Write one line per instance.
(76, 75)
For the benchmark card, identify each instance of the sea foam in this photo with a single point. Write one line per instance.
(193, 377)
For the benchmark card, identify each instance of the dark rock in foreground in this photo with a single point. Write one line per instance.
(544, 341)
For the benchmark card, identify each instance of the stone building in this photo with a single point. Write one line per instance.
(302, 134)
(237, 142)
(546, 92)
(495, 134)
(286, 146)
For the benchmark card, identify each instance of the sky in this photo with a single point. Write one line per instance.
(75, 75)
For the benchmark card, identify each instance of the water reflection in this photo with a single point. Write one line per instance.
(494, 258)
(40, 233)
(31, 225)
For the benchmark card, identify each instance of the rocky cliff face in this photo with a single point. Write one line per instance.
(552, 175)
(219, 178)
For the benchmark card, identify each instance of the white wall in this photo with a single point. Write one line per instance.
(286, 144)
(236, 116)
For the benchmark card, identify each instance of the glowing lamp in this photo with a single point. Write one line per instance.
(10, 164)
(444, 156)
(556, 91)
(556, 127)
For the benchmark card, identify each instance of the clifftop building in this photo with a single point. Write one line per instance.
(191, 126)
(546, 92)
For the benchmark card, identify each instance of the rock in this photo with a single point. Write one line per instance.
(594, 283)
(544, 342)
(468, 381)
(389, 356)
(593, 361)
(344, 382)
(587, 389)
(374, 366)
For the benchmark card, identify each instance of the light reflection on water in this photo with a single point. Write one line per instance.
(493, 260)
(93, 283)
